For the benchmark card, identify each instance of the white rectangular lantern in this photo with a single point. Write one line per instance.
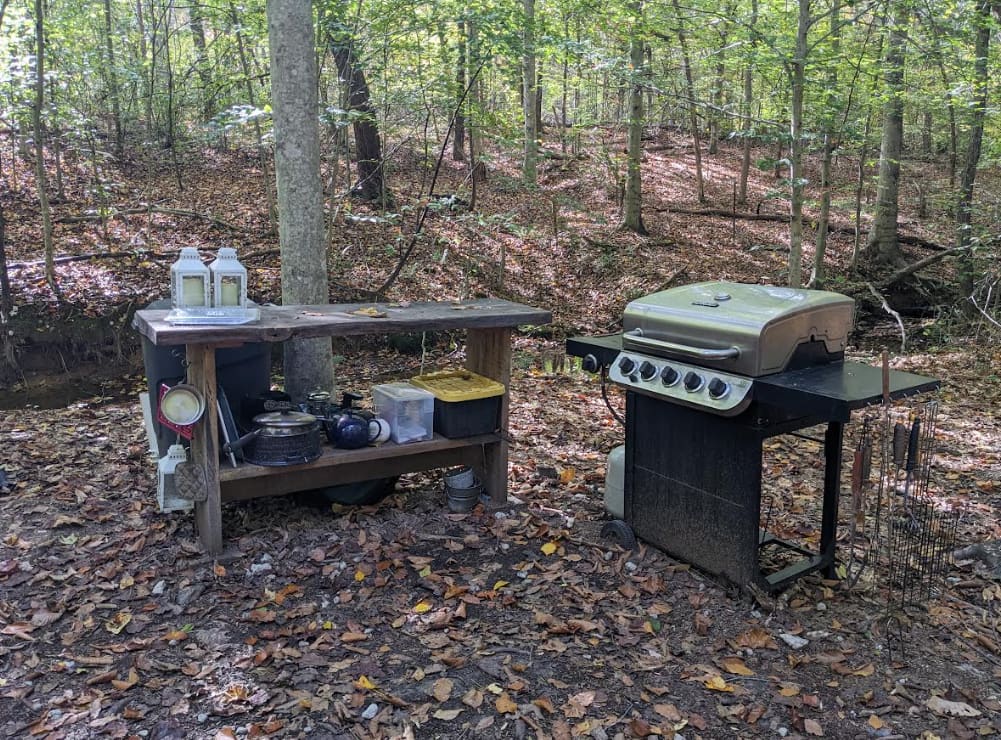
(189, 281)
(229, 280)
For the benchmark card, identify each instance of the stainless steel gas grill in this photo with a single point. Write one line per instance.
(710, 370)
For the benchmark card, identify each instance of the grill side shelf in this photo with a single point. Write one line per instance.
(833, 391)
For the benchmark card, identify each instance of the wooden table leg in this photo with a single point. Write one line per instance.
(488, 353)
(205, 446)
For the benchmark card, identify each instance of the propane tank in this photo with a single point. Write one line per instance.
(615, 482)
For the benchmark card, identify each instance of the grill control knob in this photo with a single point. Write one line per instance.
(668, 376)
(693, 381)
(718, 388)
(627, 365)
(647, 370)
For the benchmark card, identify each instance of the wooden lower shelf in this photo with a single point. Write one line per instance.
(336, 466)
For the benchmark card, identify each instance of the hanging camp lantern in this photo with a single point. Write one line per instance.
(189, 281)
(229, 280)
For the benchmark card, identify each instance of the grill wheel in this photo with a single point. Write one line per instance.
(620, 534)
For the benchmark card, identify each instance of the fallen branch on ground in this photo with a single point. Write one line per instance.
(150, 209)
(894, 314)
(782, 218)
(92, 256)
(920, 265)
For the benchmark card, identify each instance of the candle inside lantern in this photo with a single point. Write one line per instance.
(193, 290)
(230, 291)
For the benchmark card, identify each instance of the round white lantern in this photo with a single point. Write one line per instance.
(229, 280)
(189, 281)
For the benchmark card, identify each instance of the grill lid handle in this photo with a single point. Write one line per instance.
(698, 353)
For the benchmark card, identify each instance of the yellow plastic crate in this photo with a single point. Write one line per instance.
(453, 386)
(465, 404)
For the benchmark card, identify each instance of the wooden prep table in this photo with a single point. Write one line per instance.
(488, 324)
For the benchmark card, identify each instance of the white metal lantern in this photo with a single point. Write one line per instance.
(189, 281)
(167, 496)
(229, 280)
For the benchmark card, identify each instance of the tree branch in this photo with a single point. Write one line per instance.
(894, 314)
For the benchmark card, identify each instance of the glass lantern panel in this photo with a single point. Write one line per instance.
(193, 290)
(231, 288)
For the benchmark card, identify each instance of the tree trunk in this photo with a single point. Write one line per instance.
(262, 153)
(477, 168)
(529, 87)
(459, 124)
(308, 362)
(145, 74)
(693, 115)
(368, 144)
(632, 202)
(719, 76)
(817, 281)
(964, 206)
(116, 104)
(745, 159)
(883, 247)
(797, 181)
(42, 184)
(197, 25)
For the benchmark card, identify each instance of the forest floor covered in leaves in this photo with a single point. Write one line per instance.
(404, 620)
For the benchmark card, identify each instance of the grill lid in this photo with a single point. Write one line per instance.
(746, 329)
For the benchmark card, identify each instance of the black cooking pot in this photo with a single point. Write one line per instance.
(280, 438)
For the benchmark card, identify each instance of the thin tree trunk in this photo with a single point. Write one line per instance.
(308, 362)
(964, 207)
(42, 184)
(145, 74)
(693, 114)
(860, 181)
(745, 160)
(823, 219)
(197, 26)
(883, 246)
(529, 88)
(633, 198)
(459, 124)
(477, 168)
(797, 180)
(719, 75)
(371, 184)
(116, 103)
(262, 152)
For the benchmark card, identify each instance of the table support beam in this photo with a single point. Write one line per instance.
(204, 446)
(488, 353)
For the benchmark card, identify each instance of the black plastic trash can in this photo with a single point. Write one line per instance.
(243, 373)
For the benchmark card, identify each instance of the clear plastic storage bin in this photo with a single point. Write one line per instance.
(408, 409)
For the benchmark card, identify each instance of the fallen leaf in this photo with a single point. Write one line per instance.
(422, 607)
(473, 698)
(548, 549)
(364, 682)
(128, 683)
(544, 703)
(951, 708)
(504, 704)
(442, 689)
(668, 712)
(118, 622)
(716, 683)
(812, 727)
(447, 715)
(875, 722)
(737, 667)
